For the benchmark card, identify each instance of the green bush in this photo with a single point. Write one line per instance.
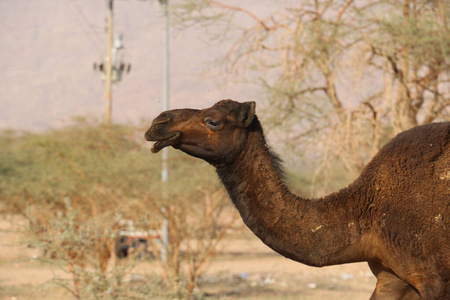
(90, 159)
(75, 185)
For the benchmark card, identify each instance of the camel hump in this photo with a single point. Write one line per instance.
(424, 148)
(424, 143)
(412, 169)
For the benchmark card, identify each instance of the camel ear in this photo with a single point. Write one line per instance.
(246, 114)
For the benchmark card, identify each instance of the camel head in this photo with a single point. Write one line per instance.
(216, 134)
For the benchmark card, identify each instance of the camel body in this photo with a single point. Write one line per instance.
(395, 216)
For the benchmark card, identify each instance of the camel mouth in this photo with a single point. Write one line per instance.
(164, 142)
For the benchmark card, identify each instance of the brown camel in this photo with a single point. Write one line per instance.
(395, 215)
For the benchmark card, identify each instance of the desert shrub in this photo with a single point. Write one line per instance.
(76, 184)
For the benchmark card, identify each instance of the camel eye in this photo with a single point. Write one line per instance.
(211, 123)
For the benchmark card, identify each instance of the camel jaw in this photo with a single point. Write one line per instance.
(162, 142)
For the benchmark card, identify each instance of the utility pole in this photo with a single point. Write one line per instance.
(165, 106)
(112, 67)
(108, 79)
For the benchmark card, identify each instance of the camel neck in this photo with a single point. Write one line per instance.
(315, 232)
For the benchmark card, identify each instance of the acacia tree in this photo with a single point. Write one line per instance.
(412, 47)
(341, 76)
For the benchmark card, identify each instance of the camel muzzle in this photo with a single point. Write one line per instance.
(158, 133)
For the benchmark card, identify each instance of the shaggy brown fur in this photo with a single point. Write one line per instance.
(395, 215)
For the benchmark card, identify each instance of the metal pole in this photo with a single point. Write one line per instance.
(165, 154)
(165, 106)
(108, 79)
(164, 236)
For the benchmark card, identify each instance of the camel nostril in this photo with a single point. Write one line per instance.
(162, 119)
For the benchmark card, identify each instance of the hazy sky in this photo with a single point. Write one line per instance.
(49, 47)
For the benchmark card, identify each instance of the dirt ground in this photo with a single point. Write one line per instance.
(244, 269)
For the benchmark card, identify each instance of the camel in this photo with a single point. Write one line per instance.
(395, 215)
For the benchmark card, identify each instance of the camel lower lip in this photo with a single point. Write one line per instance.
(165, 142)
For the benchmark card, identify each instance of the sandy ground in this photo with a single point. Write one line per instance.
(244, 269)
